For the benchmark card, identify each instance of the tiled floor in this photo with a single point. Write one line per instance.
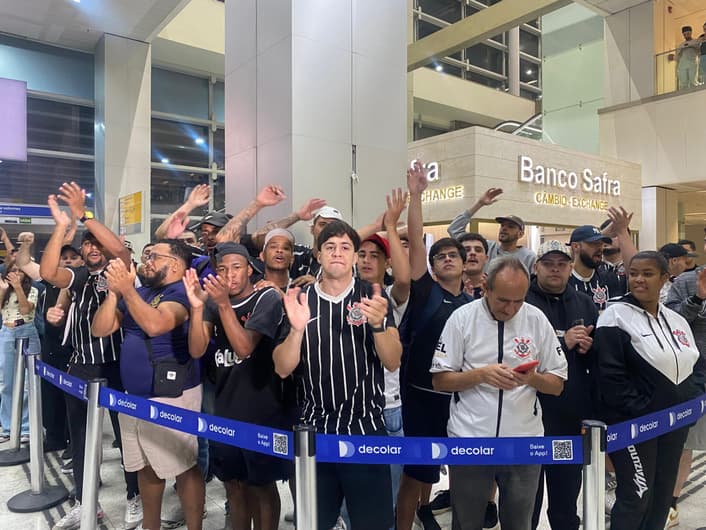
(112, 496)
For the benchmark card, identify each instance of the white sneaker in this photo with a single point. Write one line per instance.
(133, 512)
(611, 484)
(72, 520)
(672, 518)
(177, 519)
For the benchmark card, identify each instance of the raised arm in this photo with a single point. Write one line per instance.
(620, 221)
(287, 355)
(9, 247)
(268, 196)
(23, 259)
(458, 225)
(75, 198)
(387, 341)
(199, 330)
(106, 320)
(401, 270)
(416, 184)
(197, 198)
(49, 268)
(305, 213)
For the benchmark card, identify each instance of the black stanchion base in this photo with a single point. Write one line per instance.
(27, 501)
(14, 457)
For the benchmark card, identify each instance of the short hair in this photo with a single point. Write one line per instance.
(472, 236)
(687, 242)
(500, 264)
(148, 245)
(178, 249)
(446, 242)
(659, 259)
(338, 229)
(686, 28)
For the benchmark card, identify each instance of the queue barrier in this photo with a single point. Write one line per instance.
(306, 447)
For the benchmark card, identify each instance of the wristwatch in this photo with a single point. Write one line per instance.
(380, 329)
(86, 216)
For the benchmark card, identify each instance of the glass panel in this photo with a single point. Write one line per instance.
(219, 148)
(486, 57)
(219, 102)
(529, 43)
(445, 68)
(171, 188)
(421, 132)
(30, 182)
(59, 126)
(181, 94)
(527, 94)
(448, 10)
(219, 193)
(498, 84)
(177, 143)
(529, 72)
(425, 28)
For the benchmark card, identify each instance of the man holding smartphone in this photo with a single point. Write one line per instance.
(573, 316)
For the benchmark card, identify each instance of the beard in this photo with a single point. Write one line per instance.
(587, 260)
(156, 279)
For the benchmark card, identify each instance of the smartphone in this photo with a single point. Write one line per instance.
(525, 367)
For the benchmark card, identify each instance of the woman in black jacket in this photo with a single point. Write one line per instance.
(645, 357)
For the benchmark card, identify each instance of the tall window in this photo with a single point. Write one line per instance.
(188, 141)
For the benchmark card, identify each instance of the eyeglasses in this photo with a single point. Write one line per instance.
(441, 256)
(154, 255)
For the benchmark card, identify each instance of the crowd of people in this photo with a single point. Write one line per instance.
(365, 332)
(691, 59)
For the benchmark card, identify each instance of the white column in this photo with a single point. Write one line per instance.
(513, 60)
(308, 84)
(660, 217)
(122, 129)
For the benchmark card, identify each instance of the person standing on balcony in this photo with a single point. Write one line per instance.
(687, 53)
(702, 56)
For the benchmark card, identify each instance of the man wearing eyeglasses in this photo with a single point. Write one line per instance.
(433, 297)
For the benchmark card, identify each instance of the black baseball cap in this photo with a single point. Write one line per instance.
(223, 249)
(672, 250)
(71, 248)
(513, 219)
(217, 219)
(588, 234)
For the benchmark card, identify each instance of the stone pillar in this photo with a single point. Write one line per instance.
(660, 217)
(316, 102)
(513, 61)
(122, 129)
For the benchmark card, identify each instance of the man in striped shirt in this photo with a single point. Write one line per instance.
(340, 335)
(91, 357)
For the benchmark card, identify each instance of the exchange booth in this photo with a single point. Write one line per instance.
(551, 188)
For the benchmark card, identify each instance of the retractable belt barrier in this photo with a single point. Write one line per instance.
(385, 449)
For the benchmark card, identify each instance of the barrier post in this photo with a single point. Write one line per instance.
(91, 461)
(40, 496)
(15, 454)
(594, 448)
(305, 476)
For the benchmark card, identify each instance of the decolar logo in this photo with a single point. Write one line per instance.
(633, 430)
(438, 451)
(672, 418)
(153, 412)
(112, 400)
(345, 449)
(203, 425)
(703, 405)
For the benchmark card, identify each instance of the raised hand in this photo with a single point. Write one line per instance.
(13, 278)
(375, 308)
(302, 281)
(417, 179)
(4, 285)
(196, 295)
(396, 203)
(297, 308)
(490, 196)
(178, 224)
(306, 212)
(701, 284)
(199, 196)
(60, 216)
(75, 197)
(217, 289)
(620, 221)
(26, 238)
(70, 233)
(270, 195)
(56, 315)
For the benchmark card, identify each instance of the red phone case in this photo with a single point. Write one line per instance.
(525, 367)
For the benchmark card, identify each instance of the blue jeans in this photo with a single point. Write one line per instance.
(393, 425)
(8, 356)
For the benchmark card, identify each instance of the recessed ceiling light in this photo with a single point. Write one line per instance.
(165, 161)
(529, 71)
(199, 141)
(439, 68)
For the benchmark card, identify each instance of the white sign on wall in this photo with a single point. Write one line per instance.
(583, 180)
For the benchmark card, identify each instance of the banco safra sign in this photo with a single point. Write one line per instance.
(444, 193)
(567, 180)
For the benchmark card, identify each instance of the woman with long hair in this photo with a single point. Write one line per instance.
(18, 300)
(646, 355)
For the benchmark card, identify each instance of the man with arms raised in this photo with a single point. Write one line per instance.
(340, 335)
(244, 323)
(480, 357)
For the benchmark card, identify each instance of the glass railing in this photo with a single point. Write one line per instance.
(676, 72)
(531, 128)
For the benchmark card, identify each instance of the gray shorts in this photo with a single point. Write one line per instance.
(697, 436)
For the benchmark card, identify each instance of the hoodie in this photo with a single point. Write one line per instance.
(563, 310)
(644, 363)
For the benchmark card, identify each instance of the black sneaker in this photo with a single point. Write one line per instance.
(425, 518)
(66, 455)
(441, 503)
(491, 516)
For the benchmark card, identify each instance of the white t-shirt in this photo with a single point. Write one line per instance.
(392, 379)
(470, 340)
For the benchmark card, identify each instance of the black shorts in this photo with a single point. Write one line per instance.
(424, 414)
(250, 467)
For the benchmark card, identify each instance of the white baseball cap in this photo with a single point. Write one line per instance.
(328, 212)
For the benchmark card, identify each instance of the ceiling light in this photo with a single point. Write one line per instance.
(529, 71)
(439, 68)
(165, 161)
(77, 1)
(199, 141)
